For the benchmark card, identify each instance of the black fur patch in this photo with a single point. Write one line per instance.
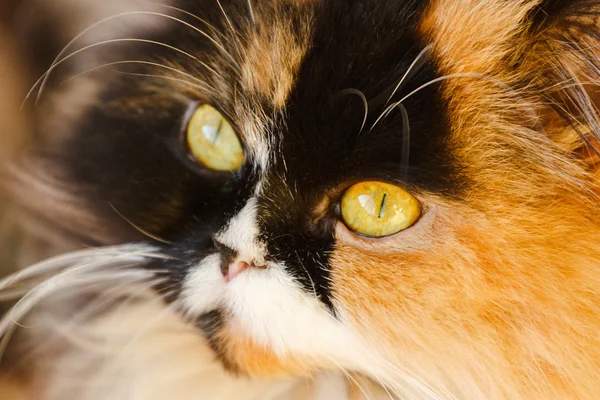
(126, 154)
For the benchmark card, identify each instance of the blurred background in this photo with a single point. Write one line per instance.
(32, 34)
(13, 127)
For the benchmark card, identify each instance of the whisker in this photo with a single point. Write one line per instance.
(350, 377)
(251, 9)
(170, 78)
(386, 389)
(34, 296)
(137, 62)
(68, 46)
(405, 156)
(5, 340)
(104, 299)
(135, 253)
(227, 19)
(412, 66)
(387, 111)
(314, 288)
(66, 58)
(409, 380)
(364, 100)
(132, 292)
(11, 321)
(235, 33)
(145, 233)
(181, 10)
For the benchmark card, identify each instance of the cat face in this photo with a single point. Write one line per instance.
(319, 113)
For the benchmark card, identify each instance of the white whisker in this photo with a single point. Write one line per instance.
(62, 282)
(181, 10)
(68, 46)
(403, 379)
(169, 78)
(134, 252)
(314, 288)
(137, 62)
(64, 328)
(132, 292)
(365, 102)
(251, 9)
(386, 389)
(350, 377)
(142, 231)
(227, 19)
(423, 52)
(72, 270)
(389, 109)
(66, 58)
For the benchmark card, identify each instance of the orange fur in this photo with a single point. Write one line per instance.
(504, 300)
(498, 296)
(259, 361)
(273, 57)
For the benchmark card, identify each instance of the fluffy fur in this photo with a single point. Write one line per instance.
(484, 110)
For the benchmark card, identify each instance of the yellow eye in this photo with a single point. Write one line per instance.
(213, 142)
(378, 209)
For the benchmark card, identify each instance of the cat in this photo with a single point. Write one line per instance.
(311, 199)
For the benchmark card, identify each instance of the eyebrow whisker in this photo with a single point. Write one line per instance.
(475, 75)
(251, 10)
(227, 19)
(66, 58)
(170, 78)
(135, 62)
(68, 46)
(183, 11)
(419, 59)
(364, 100)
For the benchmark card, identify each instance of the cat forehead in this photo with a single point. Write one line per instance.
(301, 71)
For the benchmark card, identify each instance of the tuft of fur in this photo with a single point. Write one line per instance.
(495, 292)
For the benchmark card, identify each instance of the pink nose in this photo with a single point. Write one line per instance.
(235, 268)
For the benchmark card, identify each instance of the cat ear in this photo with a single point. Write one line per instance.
(563, 57)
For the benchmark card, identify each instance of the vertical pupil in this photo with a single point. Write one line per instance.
(218, 131)
(212, 128)
(382, 206)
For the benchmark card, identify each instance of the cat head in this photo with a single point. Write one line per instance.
(400, 188)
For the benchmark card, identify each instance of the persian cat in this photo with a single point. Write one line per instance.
(300, 199)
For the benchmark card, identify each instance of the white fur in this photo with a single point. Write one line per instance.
(271, 307)
(259, 146)
(205, 287)
(267, 303)
(331, 386)
(145, 352)
(241, 234)
(142, 350)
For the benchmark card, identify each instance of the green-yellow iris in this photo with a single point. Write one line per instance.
(378, 209)
(213, 142)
